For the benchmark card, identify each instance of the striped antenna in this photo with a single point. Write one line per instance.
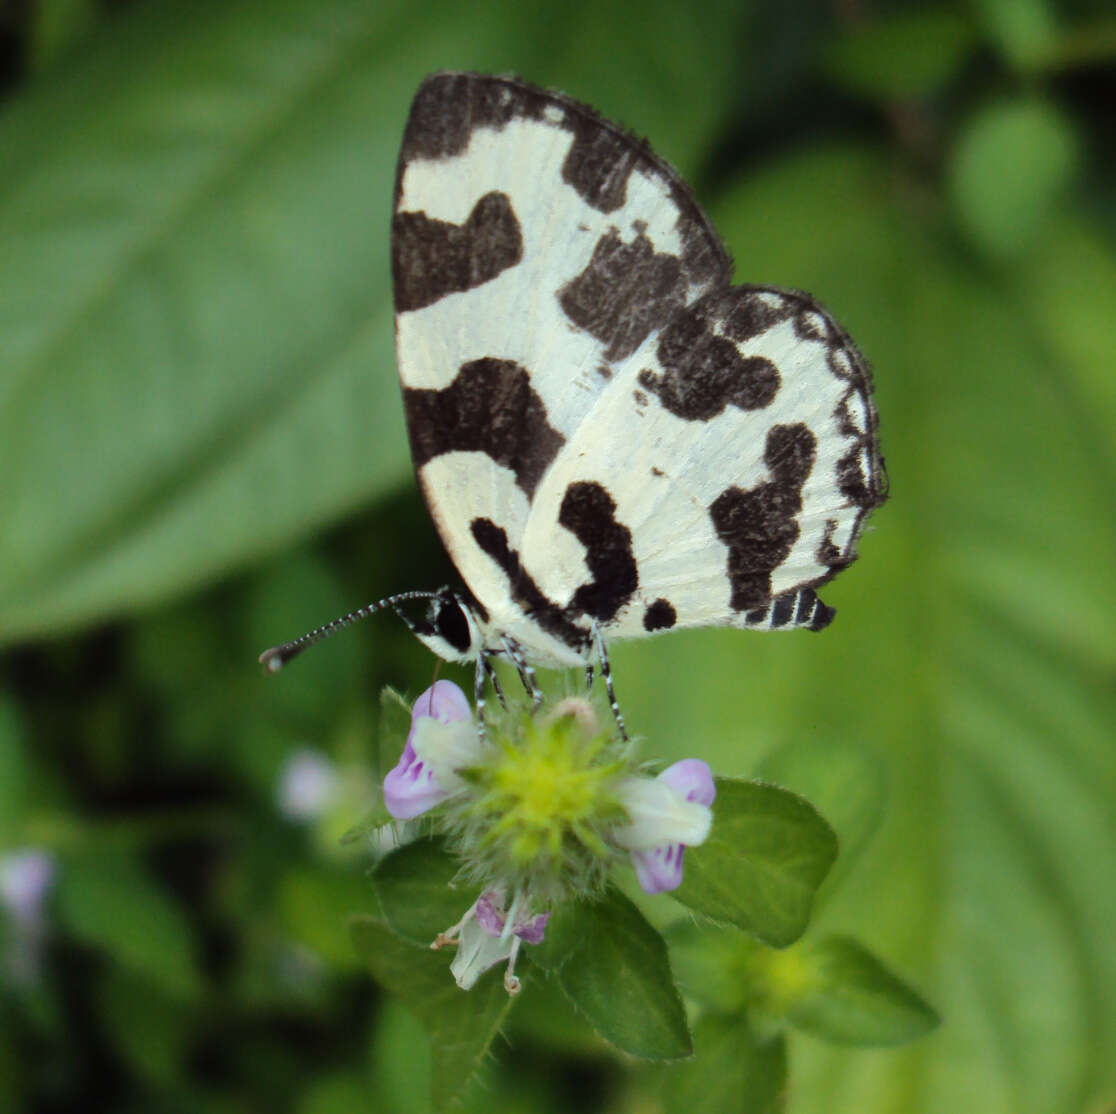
(275, 658)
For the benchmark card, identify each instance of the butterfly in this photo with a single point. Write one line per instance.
(612, 440)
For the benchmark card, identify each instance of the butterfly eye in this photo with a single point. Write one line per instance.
(451, 622)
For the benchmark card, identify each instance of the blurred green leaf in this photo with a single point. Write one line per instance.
(837, 990)
(57, 25)
(315, 907)
(460, 1024)
(613, 967)
(901, 54)
(341, 1093)
(416, 892)
(109, 903)
(15, 771)
(1023, 30)
(159, 1046)
(1011, 164)
(195, 315)
(713, 964)
(732, 1070)
(762, 863)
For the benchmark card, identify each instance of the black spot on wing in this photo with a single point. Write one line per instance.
(589, 513)
(703, 372)
(599, 163)
(448, 107)
(759, 525)
(553, 619)
(625, 291)
(490, 407)
(659, 616)
(433, 258)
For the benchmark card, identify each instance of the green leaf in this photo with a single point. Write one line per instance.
(109, 903)
(461, 1024)
(613, 967)
(842, 993)
(415, 887)
(845, 783)
(195, 313)
(1012, 163)
(901, 55)
(762, 863)
(732, 1070)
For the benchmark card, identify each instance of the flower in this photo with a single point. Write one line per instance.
(442, 741)
(26, 877)
(486, 935)
(666, 815)
(308, 785)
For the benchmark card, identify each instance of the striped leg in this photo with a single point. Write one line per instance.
(490, 670)
(606, 673)
(526, 673)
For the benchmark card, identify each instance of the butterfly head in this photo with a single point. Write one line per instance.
(450, 627)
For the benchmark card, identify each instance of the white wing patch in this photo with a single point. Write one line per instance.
(607, 433)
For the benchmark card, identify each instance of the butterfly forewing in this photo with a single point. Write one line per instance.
(604, 430)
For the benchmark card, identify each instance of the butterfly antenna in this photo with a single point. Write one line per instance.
(276, 657)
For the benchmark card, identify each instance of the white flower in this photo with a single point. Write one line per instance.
(666, 815)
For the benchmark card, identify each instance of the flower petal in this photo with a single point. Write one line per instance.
(531, 931)
(477, 950)
(443, 701)
(411, 787)
(659, 814)
(693, 779)
(660, 869)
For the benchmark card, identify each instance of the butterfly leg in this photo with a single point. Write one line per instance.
(589, 677)
(526, 672)
(606, 673)
(483, 667)
(490, 670)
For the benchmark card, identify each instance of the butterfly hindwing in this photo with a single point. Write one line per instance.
(605, 431)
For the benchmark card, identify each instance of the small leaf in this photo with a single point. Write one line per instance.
(613, 967)
(460, 1024)
(110, 903)
(1011, 165)
(415, 887)
(762, 863)
(732, 1070)
(849, 997)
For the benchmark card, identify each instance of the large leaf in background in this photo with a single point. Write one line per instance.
(195, 329)
(972, 650)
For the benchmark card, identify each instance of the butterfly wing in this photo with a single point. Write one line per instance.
(726, 471)
(535, 248)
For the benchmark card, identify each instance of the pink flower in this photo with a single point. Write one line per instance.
(666, 815)
(442, 740)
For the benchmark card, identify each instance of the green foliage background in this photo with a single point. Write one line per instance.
(202, 452)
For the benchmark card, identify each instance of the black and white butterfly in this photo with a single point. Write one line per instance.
(612, 439)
